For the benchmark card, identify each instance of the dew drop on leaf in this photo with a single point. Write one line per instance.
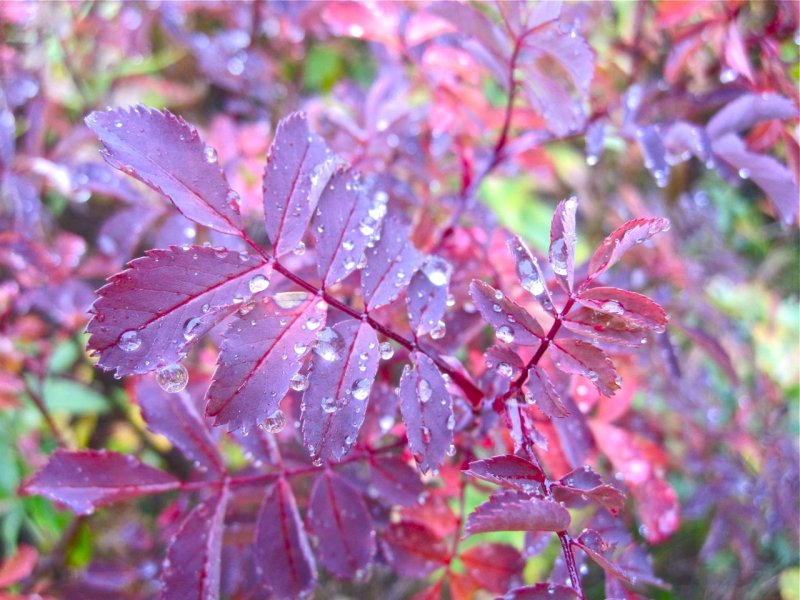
(559, 256)
(172, 378)
(505, 334)
(424, 391)
(190, 328)
(210, 154)
(274, 423)
(328, 344)
(300, 249)
(437, 271)
(299, 382)
(505, 369)
(361, 388)
(258, 283)
(130, 341)
(386, 351)
(612, 307)
(439, 331)
(329, 404)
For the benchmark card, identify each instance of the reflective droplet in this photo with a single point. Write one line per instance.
(130, 341)
(329, 404)
(424, 391)
(258, 283)
(190, 328)
(210, 154)
(558, 256)
(300, 348)
(172, 378)
(300, 249)
(361, 389)
(505, 334)
(437, 271)
(313, 323)
(612, 307)
(289, 300)
(328, 344)
(299, 382)
(386, 351)
(439, 331)
(274, 423)
(504, 369)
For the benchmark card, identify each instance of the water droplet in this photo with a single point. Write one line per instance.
(386, 351)
(299, 382)
(130, 341)
(505, 334)
(612, 307)
(558, 256)
(424, 391)
(172, 378)
(497, 308)
(361, 389)
(258, 283)
(504, 369)
(328, 344)
(329, 404)
(313, 323)
(426, 434)
(744, 173)
(210, 154)
(437, 271)
(300, 348)
(300, 249)
(348, 245)
(274, 423)
(439, 331)
(386, 422)
(190, 328)
(289, 300)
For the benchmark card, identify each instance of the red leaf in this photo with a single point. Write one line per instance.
(298, 167)
(736, 52)
(284, 562)
(626, 566)
(539, 390)
(88, 479)
(395, 481)
(412, 550)
(343, 214)
(584, 483)
(192, 567)
(512, 323)
(427, 410)
(604, 327)
(390, 264)
(657, 504)
(339, 387)
(175, 417)
(530, 274)
(620, 241)
(508, 470)
(167, 154)
(515, 511)
(339, 518)
(427, 295)
(542, 591)
(259, 357)
(494, 566)
(150, 314)
(562, 242)
(639, 310)
(582, 358)
(19, 566)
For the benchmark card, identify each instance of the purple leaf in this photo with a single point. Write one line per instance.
(298, 167)
(562, 242)
(638, 310)
(505, 361)
(683, 139)
(583, 483)
(654, 153)
(338, 516)
(511, 322)
(395, 481)
(595, 141)
(390, 264)
(98, 178)
(283, 558)
(776, 180)
(167, 154)
(530, 274)
(260, 354)
(412, 549)
(472, 22)
(427, 410)
(192, 568)
(121, 234)
(624, 238)
(749, 110)
(540, 390)
(568, 49)
(509, 470)
(604, 327)
(339, 387)
(148, 315)
(582, 358)
(175, 417)
(427, 295)
(88, 479)
(562, 113)
(542, 591)
(493, 566)
(515, 511)
(606, 556)
(342, 227)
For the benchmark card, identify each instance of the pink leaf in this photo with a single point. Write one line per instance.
(341, 218)
(338, 516)
(582, 358)
(541, 392)
(390, 264)
(530, 274)
(475, 24)
(175, 417)
(493, 566)
(427, 410)
(624, 238)
(508, 470)
(736, 52)
(260, 354)
(150, 314)
(167, 154)
(192, 568)
(298, 167)
(18, 566)
(88, 479)
(339, 387)
(515, 511)
(412, 549)
(584, 483)
(604, 327)
(395, 481)
(512, 323)
(639, 310)
(283, 558)
(427, 295)
(562, 242)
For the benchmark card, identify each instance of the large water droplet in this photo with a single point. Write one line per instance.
(275, 422)
(299, 382)
(424, 391)
(258, 283)
(210, 154)
(612, 307)
(361, 388)
(558, 256)
(172, 378)
(439, 331)
(191, 328)
(504, 369)
(437, 271)
(300, 249)
(386, 351)
(329, 404)
(289, 300)
(130, 341)
(328, 344)
(505, 334)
